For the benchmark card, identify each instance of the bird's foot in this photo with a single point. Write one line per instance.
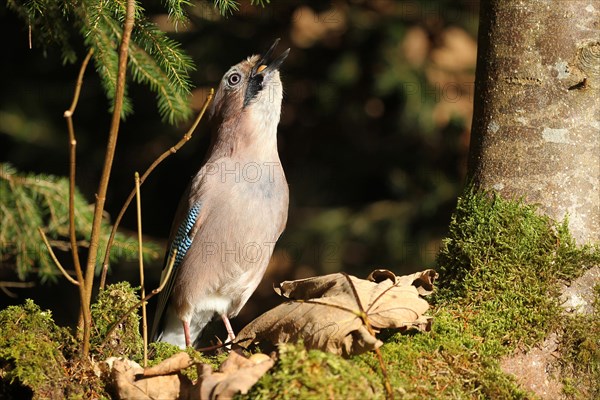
(186, 332)
(230, 334)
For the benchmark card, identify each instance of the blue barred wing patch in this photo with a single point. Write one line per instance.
(182, 240)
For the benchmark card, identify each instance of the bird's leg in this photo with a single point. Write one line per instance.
(186, 332)
(230, 333)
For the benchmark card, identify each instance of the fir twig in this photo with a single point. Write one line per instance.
(172, 150)
(154, 59)
(100, 36)
(158, 61)
(227, 6)
(38, 200)
(176, 11)
(110, 152)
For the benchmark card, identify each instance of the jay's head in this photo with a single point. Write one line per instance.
(252, 87)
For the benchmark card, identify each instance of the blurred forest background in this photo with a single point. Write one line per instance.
(373, 137)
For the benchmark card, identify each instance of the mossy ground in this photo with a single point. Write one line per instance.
(500, 269)
(39, 359)
(580, 353)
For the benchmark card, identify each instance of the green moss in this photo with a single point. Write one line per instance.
(580, 353)
(37, 358)
(500, 269)
(159, 351)
(443, 364)
(125, 341)
(313, 374)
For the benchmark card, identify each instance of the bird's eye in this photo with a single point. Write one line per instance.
(234, 79)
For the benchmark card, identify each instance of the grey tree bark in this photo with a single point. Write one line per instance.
(536, 126)
(536, 133)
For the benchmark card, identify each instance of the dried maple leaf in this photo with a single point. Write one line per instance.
(340, 313)
(237, 374)
(130, 383)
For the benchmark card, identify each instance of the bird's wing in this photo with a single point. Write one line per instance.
(181, 240)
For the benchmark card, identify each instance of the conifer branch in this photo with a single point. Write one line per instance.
(106, 58)
(227, 6)
(176, 11)
(154, 58)
(32, 201)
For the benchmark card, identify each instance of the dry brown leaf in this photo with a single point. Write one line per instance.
(237, 374)
(171, 365)
(325, 312)
(126, 375)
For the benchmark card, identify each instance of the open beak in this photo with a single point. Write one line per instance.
(267, 63)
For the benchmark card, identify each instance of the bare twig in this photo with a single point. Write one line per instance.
(17, 284)
(108, 160)
(141, 258)
(365, 318)
(362, 314)
(386, 379)
(171, 263)
(172, 150)
(4, 285)
(53, 256)
(85, 316)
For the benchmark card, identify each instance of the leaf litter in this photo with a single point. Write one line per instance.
(337, 313)
(340, 313)
(237, 374)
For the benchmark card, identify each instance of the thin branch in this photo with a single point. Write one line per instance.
(86, 60)
(29, 35)
(386, 378)
(383, 293)
(17, 284)
(365, 319)
(141, 258)
(108, 160)
(355, 293)
(172, 150)
(144, 300)
(84, 316)
(4, 285)
(53, 256)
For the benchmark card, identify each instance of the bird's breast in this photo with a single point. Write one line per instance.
(244, 211)
(246, 205)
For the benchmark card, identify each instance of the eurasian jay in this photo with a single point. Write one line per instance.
(234, 209)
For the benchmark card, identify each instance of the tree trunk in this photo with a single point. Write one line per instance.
(536, 125)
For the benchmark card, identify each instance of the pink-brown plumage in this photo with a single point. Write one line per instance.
(241, 198)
